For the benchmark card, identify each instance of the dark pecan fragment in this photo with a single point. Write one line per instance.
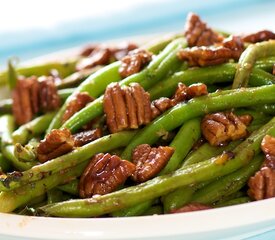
(197, 33)
(79, 101)
(160, 105)
(235, 44)
(191, 207)
(126, 108)
(123, 49)
(262, 184)
(56, 143)
(220, 128)
(259, 36)
(85, 137)
(134, 62)
(104, 174)
(273, 71)
(32, 95)
(205, 56)
(100, 55)
(149, 161)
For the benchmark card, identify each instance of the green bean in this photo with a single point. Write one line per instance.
(265, 108)
(186, 137)
(248, 59)
(196, 107)
(188, 134)
(235, 201)
(265, 63)
(71, 159)
(4, 164)
(196, 173)
(228, 184)
(54, 195)
(27, 153)
(95, 85)
(65, 93)
(207, 75)
(71, 187)
(32, 129)
(156, 70)
(207, 151)
(21, 196)
(154, 210)
(7, 126)
(64, 69)
(12, 75)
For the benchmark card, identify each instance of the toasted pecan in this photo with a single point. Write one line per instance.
(197, 33)
(191, 207)
(134, 62)
(87, 136)
(149, 161)
(220, 128)
(126, 108)
(79, 101)
(260, 36)
(56, 143)
(104, 174)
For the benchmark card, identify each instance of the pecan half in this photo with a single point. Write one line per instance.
(191, 207)
(268, 147)
(32, 95)
(259, 36)
(205, 56)
(56, 143)
(235, 44)
(126, 108)
(100, 55)
(197, 33)
(220, 128)
(149, 161)
(104, 174)
(85, 137)
(79, 101)
(262, 184)
(134, 62)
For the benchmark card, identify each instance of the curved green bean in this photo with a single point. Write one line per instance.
(248, 59)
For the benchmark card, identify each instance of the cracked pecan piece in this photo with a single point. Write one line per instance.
(85, 137)
(220, 128)
(268, 147)
(58, 142)
(32, 95)
(260, 36)
(160, 105)
(134, 62)
(235, 44)
(104, 174)
(123, 49)
(79, 101)
(149, 161)
(126, 108)
(197, 32)
(205, 56)
(191, 207)
(100, 55)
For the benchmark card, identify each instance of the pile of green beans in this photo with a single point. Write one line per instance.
(193, 173)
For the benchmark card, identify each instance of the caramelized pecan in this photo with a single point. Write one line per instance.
(85, 137)
(134, 62)
(160, 105)
(126, 108)
(56, 143)
(191, 207)
(262, 184)
(79, 101)
(235, 44)
(100, 55)
(205, 56)
(104, 174)
(259, 36)
(273, 71)
(220, 128)
(197, 33)
(32, 95)
(268, 147)
(123, 49)
(149, 161)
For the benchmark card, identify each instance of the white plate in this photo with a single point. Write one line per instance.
(235, 222)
